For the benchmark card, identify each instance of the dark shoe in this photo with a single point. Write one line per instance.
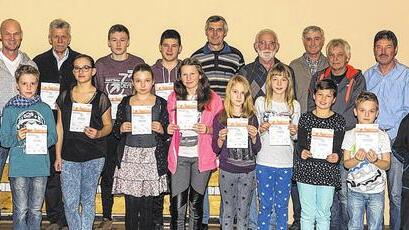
(295, 226)
(205, 227)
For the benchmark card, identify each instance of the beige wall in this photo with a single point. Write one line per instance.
(355, 21)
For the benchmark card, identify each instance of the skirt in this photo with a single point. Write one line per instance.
(138, 175)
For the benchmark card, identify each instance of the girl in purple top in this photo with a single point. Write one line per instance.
(237, 165)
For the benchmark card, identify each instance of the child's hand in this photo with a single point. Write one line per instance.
(58, 165)
(172, 128)
(252, 131)
(360, 155)
(223, 134)
(126, 127)
(91, 132)
(332, 158)
(21, 133)
(264, 127)
(157, 127)
(371, 156)
(200, 128)
(293, 129)
(305, 154)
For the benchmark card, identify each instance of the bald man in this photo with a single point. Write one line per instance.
(11, 57)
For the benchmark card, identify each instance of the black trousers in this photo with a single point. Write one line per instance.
(144, 212)
(107, 177)
(404, 210)
(54, 204)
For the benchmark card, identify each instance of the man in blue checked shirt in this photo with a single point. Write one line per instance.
(389, 80)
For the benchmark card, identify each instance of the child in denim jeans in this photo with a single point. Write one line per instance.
(28, 171)
(366, 176)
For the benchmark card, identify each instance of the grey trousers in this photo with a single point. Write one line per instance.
(237, 191)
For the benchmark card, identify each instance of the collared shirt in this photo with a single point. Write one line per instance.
(11, 65)
(392, 91)
(312, 65)
(63, 59)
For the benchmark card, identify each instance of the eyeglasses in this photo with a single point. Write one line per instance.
(84, 69)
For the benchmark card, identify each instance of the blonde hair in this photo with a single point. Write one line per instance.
(248, 109)
(281, 70)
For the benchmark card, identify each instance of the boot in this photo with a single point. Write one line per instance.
(178, 205)
(196, 209)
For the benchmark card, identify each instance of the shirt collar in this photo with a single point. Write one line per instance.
(226, 49)
(66, 53)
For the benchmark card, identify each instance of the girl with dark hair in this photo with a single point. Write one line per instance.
(318, 176)
(191, 158)
(141, 169)
(83, 121)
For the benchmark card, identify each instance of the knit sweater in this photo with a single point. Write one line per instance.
(14, 118)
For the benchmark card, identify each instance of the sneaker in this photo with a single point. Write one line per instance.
(106, 224)
(295, 226)
(53, 226)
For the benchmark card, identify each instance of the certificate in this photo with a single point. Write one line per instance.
(115, 100)
(367, 137)
(187, 114)
(80, 117)
(279, 134)
(321, 142)
(237, 133)
(141, 120)
(49, 93)
(163, 90)
(36, 139)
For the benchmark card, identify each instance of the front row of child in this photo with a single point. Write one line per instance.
(142, 164)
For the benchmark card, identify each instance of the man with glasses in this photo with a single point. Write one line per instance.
(114, 77)
(11, 57)
(55, 66)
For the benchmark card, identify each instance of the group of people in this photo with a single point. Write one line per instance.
(147, 131)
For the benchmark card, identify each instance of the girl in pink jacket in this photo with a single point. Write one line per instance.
(192, 108)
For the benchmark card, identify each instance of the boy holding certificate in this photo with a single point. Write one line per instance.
(367, 156)
(318, 178)
(236, 140)
(28, 129)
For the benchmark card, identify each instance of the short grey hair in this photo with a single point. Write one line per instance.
(265, 31)
(60, 24)
(339, 43)
(312, 29)
(217, 18)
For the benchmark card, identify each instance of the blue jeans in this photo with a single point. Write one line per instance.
(28, 196)
(79, 181)
(206, 211)
(339, 209)
(316, 201)
(372, 204)
(395, 191)
(273, 186)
